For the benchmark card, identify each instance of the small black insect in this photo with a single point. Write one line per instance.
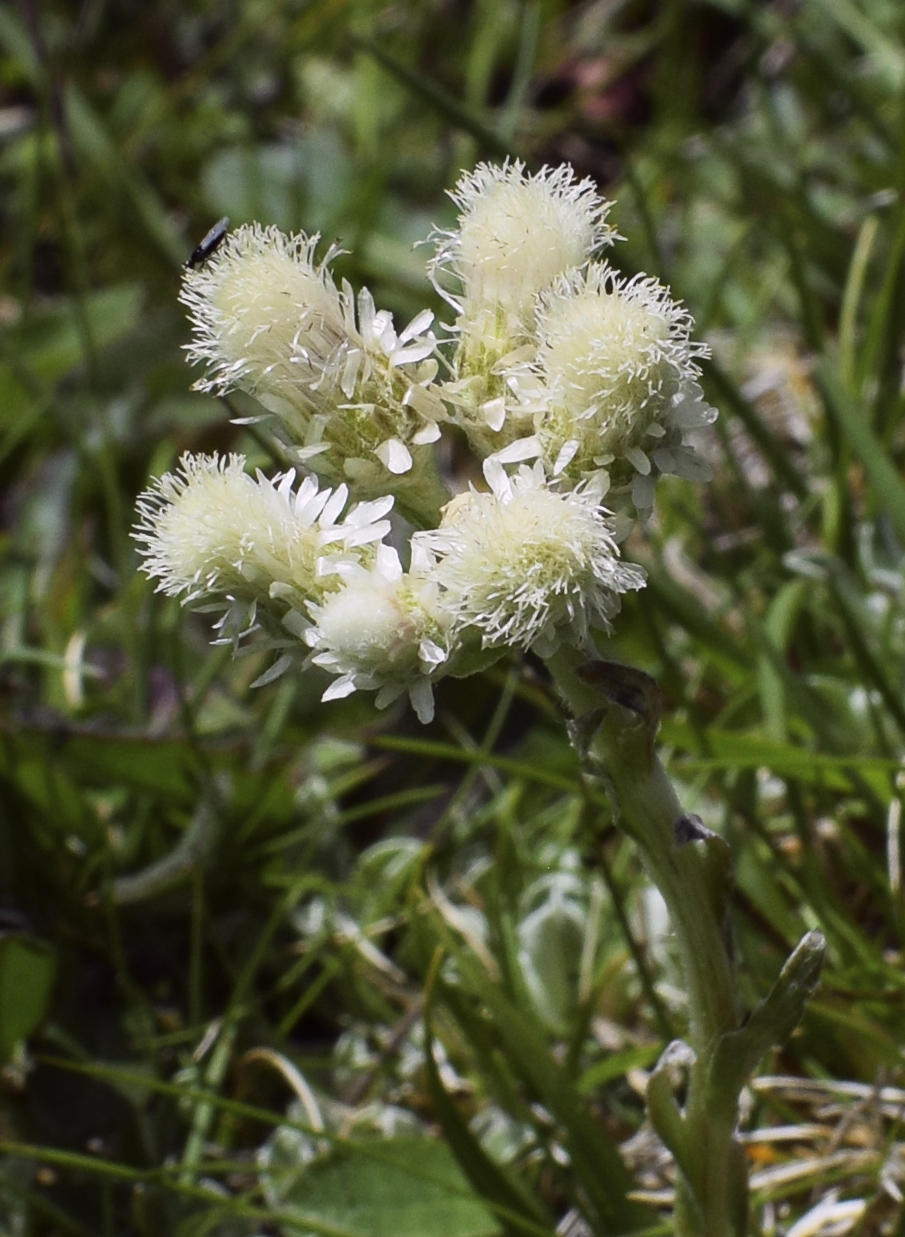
(214, 238)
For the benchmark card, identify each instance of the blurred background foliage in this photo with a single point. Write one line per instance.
(256, 951)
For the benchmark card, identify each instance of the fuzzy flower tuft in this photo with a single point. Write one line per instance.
(210, 529)
(527, 564)
(269, 320)
(516, 234)
(614, 383)
(258, 298)
(384, 632)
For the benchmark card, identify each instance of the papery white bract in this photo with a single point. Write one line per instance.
(527, 564)
(553, 358)
(260, 300)
(210, 529)
(613, 385)
(384, 631)
(515, 234)
(269, 320)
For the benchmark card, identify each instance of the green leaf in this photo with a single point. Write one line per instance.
(773, 1021)
(163, 767)
(853, 421)
(666, 1118)
(397, 1187)
(596, 1163)
(189, 853)
(549, 948)
(509, 1198)
(27, 971)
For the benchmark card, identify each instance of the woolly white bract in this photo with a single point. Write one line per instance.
(529, 565)
(211, 529)
(615, 371)
(384, 632)
(332, 368)
(516, 233)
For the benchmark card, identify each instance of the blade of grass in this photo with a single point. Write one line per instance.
(682, 607)
(448, 751)
(852, 421)
(45, 1208)
(178, 1091)
(751, 750)
(880, 356)
(730, 397)
(602, 865)
(595, 1161)
(434, 96)
(234, 1207)
(872, 670)
(529, 37)
(852, 300)
(506, 1195)
(93, 141)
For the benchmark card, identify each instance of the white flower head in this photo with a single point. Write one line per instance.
(210, 529)
(526, 564)
(516, 233)
(269, 320)
(384, 631)
(257, 298)
(615, 378)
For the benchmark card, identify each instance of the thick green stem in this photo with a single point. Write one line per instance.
(685, 874)
(692, 875)
(689, 866)
(617, 712)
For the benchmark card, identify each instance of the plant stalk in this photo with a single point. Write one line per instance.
(617, 712)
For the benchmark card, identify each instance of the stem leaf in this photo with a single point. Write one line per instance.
(737, 1053)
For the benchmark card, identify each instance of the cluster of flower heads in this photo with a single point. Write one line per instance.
(572, 385)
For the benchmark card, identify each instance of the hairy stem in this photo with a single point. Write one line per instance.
(616, 713)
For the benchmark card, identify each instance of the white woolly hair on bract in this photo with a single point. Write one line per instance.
(210, 528)
(527, 564)
(271, 321)
(266, 317)
(516, 233)
(382, 631)
(612, 356)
